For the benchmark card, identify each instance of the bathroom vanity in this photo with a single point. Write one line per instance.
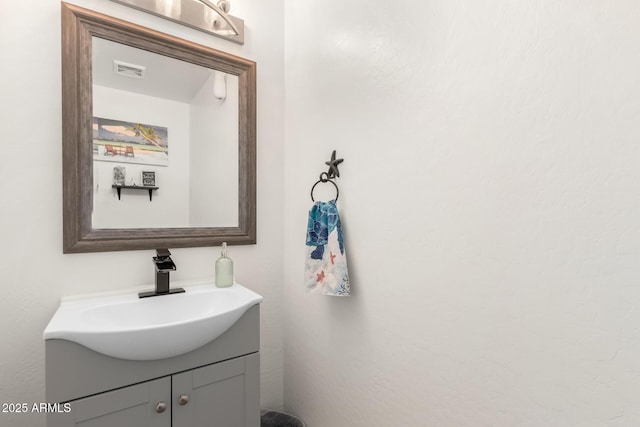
(214, 384)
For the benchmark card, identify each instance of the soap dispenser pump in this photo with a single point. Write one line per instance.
(224, 269)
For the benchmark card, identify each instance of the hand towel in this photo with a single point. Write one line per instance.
(326, 263)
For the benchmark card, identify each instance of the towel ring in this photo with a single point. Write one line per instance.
(324, 177)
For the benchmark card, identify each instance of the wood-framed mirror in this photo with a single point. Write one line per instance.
(98, 147)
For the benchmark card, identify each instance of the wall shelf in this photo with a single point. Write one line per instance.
(135, 187)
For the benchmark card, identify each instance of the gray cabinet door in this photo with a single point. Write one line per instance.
(226, 394)
(133, 406)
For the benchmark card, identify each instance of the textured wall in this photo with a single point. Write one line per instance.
(488, 197)
(35, 273)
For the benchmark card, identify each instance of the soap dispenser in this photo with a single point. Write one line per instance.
(224, 269)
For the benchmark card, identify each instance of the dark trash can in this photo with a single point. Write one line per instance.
(270, 418)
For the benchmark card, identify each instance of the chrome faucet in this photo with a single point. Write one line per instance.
(164, 264)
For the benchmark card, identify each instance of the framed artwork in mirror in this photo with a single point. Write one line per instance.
(149, 179)
(119, 175)
(127, 142)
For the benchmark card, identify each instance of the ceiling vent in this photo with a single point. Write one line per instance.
(129, 70)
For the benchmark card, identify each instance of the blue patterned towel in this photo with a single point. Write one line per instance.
(326, 264)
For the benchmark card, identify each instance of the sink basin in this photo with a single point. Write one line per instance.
(127, 327)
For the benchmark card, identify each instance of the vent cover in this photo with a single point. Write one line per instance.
(129, 70)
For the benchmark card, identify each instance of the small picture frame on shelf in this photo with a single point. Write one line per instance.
(119, 174)
(148, 178)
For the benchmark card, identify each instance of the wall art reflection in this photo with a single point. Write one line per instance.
(128, 142)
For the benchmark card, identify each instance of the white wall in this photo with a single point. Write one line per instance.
(214, 165)
(35, 273)
(170, 204)
(489, 200)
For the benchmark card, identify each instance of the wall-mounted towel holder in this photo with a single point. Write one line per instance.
(330, 175)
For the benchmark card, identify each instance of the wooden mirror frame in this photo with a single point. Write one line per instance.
(79, 25)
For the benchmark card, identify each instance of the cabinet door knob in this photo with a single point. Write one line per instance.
(183, 399)
(161, 407)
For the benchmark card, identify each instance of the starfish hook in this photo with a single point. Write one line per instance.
(333, 166)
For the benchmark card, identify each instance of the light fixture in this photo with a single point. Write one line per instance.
(221, 9)
(203, 15)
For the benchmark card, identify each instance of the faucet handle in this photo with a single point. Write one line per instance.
(163, 253)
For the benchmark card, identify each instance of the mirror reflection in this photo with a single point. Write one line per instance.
(173, 168)
(165, 141)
